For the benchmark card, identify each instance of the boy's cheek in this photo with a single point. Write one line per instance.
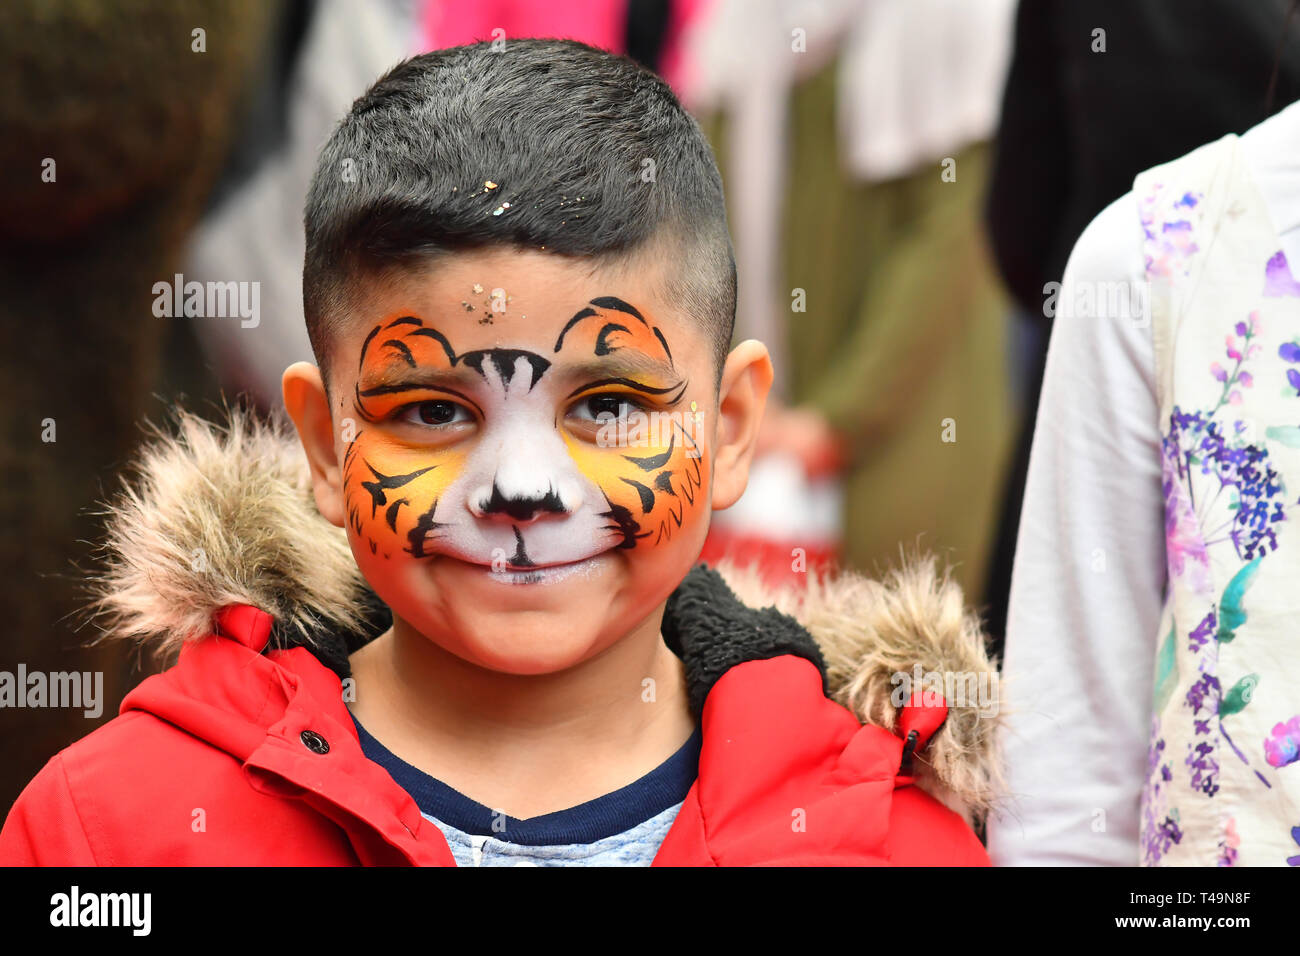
(390, 491)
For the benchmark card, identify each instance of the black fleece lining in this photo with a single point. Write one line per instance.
(704, 624)
(712, 631)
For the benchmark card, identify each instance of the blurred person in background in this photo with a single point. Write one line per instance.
(1098, 92)
(1150, 641)
(254, 231)
(853, 140)
(115, 123)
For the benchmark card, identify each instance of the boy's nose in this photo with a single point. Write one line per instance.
(521, 493)
(492, 502)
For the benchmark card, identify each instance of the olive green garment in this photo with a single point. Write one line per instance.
(903, 342)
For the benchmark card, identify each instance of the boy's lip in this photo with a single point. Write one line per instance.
(523, 568)
(538, 575)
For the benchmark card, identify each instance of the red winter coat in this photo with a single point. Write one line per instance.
(242, 753)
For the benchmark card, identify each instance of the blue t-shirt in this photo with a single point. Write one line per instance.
(623, 828)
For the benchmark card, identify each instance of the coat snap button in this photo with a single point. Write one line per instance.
(315, 742)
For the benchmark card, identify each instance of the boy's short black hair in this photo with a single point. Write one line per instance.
(587, 154)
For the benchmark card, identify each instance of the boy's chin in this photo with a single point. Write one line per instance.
(536, 653)
(524, 622)
(533, 642)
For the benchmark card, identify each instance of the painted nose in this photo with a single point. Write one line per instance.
(524, 500)
(529, 477)
(517, 508)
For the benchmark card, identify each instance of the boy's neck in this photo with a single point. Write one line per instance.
(525, 745)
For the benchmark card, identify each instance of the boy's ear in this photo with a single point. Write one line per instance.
(746, 380)
(308, 405)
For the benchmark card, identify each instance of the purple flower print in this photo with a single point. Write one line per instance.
(1290, 352)
(1206, 687)
(1169, 245)
(1237, 352)
(1204, 631)
(1184, 547)
(1158, 841)
(1278, 280)
(1197, 439)
(1203, 698)
(1220, 488)
(1205, 769)
(1159, 827)
(1196, 445)
(1154, 753)
(1283, 747)
(1177, 236)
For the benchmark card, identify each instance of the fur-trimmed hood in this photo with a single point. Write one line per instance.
(218, 515)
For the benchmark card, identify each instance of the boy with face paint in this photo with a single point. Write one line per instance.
(524, 409)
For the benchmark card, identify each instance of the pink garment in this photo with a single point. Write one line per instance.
(600, 23)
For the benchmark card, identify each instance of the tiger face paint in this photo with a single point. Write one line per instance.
(525, 449)
(499, 456)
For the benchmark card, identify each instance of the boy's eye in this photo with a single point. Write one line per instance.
(436, 412)
(602, 407)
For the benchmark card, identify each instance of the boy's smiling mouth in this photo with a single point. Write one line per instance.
(535, 573)
(521, 562)
(521, 568)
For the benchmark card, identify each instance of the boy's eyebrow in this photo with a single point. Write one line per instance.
(626, 366)
(401, 377)
(623, 363)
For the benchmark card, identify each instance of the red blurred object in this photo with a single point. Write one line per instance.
(775, 559)
(786, 524)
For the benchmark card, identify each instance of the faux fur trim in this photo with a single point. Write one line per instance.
(212, 516)
(217, 515)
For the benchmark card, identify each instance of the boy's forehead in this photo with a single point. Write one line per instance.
(540, 302)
